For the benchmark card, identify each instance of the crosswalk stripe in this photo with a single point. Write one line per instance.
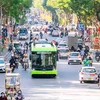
(61, 94)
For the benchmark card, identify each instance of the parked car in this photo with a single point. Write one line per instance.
(88, 74)
(74, 58)
(2, 65)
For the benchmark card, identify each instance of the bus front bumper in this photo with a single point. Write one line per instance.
(52, 72)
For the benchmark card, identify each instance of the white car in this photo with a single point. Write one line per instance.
(56, 33)
(58, 40)
(74, 58)
(88, 74)
(2, 65)
(62, 45)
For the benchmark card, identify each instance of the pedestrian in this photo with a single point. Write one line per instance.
(3, 96)
(82, 54)
(41, 35)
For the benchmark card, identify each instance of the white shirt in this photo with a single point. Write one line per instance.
(82, 52)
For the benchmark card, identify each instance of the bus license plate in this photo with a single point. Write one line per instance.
(43, 72)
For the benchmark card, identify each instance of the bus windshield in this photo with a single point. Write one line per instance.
(44, 61)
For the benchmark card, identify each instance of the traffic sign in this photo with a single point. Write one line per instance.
(81, 26)
(96, 40)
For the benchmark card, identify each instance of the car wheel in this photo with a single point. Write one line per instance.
(68, 63)
(59, 57)
(80, 63)
(80, 81)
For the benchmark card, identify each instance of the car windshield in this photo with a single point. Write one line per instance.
(64, 50)
(22, 34)
(74, 54)
(89, 70)
(23, 30)
(1, 61)
(62, 44)
(43, 41)
(58, 39)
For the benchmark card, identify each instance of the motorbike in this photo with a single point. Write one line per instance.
(12, 66)
(25, 65)
(97, 58)
(16, 63)
(88, 63)
(21, 61)
(10, 48)
(99, 80)
(61, 36)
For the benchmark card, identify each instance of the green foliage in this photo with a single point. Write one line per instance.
(14, 7)
(37, 3)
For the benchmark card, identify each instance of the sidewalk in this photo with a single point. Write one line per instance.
(5, 52)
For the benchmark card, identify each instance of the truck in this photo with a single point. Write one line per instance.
(72, 40)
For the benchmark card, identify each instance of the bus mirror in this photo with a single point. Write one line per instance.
(30, 57)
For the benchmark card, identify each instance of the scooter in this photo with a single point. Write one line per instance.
(97, 58)
(12, 66)
(26, 66)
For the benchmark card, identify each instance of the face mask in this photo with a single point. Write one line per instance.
(2, 95)
(19, 92)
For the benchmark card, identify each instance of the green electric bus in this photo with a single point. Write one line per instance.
(43, 59)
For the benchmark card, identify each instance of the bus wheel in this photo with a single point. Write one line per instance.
(32, 76)
(53, 76)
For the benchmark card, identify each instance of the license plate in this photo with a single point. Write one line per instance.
(43, 72)
(74, 60)
(89, 78)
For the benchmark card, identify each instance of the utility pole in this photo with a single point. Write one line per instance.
(1, 21)
(0, 29)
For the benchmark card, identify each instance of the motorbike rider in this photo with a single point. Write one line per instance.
(25, 60)
(72, 48)
(41, 35)
(16, 60)
(3, 96)
(19, 95)
(91, 60)
(86, 62)
(62, 34)
(82, 54)
(97, 53)
(26, 46)
(12, 61)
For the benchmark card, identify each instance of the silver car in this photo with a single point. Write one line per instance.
(74, 58)
(62, 45)
(63, 53)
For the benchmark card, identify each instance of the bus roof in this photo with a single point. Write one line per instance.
(46, 47)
